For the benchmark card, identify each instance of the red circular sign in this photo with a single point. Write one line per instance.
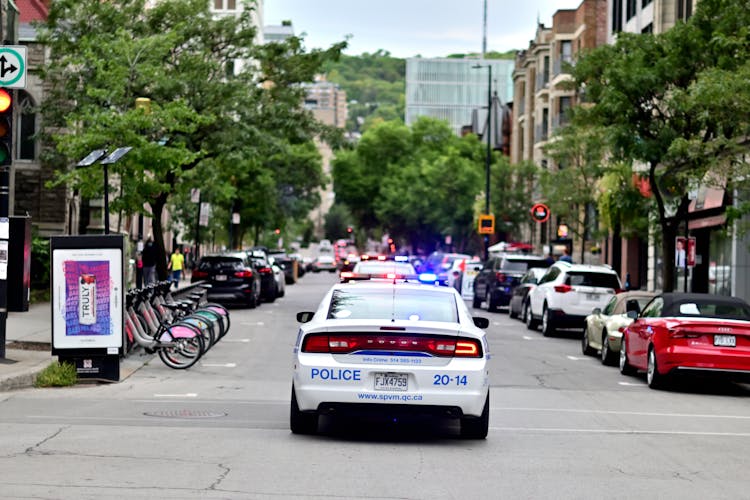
(540, 212)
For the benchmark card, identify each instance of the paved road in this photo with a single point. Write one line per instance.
(562, 426)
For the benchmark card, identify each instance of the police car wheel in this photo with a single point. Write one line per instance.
(301, 422)
(477, 427)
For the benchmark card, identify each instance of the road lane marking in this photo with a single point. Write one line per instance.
(188, 395)
(236, 340)
(619, 412)
(526, 337)
(621, 431)
(631, 384)
(220, 365)
(255, 323)
(573, 358)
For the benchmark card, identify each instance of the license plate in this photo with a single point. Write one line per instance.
(592, 296)
(391, 382)
(725, 340)
(221, 277)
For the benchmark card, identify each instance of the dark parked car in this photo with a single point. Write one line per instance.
(232, 277)
(518, 306)
(268, 288)
(500, 275)
(286, 263)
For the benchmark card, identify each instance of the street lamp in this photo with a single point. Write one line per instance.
(488, 159)
(92, 158)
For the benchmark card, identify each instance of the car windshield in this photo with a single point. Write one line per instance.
(712, 309)
(603, 280)
(384, 267)
(387, 303)
(220, 263)
(522, 265)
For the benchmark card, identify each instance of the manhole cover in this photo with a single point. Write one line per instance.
(185, 414)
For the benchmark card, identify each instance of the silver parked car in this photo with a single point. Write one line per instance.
(604, 327)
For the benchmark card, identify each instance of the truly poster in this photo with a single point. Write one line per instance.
(87, 294)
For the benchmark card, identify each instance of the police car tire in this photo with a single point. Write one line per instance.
(476, 302)
(477, 427)
(301, 422)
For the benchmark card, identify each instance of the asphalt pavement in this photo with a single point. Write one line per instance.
(28, 349)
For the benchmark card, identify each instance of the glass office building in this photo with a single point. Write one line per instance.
(450, 89)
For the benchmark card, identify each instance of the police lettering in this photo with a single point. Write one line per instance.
(334, 374)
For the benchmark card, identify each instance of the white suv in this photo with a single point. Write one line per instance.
(567, 293)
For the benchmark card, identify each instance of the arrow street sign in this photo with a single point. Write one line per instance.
(13, 66)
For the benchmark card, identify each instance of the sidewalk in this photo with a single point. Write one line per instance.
(28, 348)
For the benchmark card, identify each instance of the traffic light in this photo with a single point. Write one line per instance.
(6, 127)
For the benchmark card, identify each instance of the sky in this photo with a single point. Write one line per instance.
(408, 28)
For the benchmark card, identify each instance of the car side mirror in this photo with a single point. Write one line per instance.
(480, 322)
(597, 311)
(305, 316)
(632, 315)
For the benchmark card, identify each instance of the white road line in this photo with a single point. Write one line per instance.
(495, 323)
(255, 323)
(188, 395)
(631, 384)
(573, 358)
(526, 337)
(621, 431)
(220, 365)
(618, 412)
(236, 340)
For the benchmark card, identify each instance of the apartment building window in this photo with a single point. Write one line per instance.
(645, 2)
(545, 69)
(649, 28)
(545, 123)
(565, 104)
(225, 4)
(631, 9)
(684, 9)
(616, 16)
(566, 50)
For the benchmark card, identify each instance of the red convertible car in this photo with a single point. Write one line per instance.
(687, 332)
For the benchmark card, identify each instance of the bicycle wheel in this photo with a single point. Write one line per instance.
(184, 354)
(205, 326)
(215, 319)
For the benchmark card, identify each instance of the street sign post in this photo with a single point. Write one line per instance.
(13, 66)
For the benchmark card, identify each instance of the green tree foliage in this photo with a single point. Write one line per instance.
(675, 102)
(511, 196)
(374, 85)
(212, 123)
(419, 183)
(578, 154)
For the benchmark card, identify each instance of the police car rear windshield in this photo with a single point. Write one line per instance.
(400, 304)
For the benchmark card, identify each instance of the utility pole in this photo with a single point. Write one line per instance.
(484, 31)
(488, 157)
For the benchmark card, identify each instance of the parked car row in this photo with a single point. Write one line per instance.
(246, 277)
(661, 334)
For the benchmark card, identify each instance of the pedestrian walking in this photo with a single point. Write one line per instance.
(565, 257)
(148, 257)
(139, 270)
(176, 265)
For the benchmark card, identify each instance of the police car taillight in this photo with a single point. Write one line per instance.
(348, 343)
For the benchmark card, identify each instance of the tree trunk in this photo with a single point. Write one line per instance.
(157, 208)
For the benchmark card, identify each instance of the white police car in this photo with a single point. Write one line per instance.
(391, 346)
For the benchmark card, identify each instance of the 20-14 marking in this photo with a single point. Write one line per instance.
(448, 380)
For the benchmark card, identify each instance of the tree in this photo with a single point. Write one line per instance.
(511, 196)
(675, 102)
(210, 121)
(578, 153)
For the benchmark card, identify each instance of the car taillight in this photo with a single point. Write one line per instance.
(682, 334)
(264, 270)
(563, 288)
(500, 276)
(244, 274)
(346, 274)
(200, 274)
(436, 346)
